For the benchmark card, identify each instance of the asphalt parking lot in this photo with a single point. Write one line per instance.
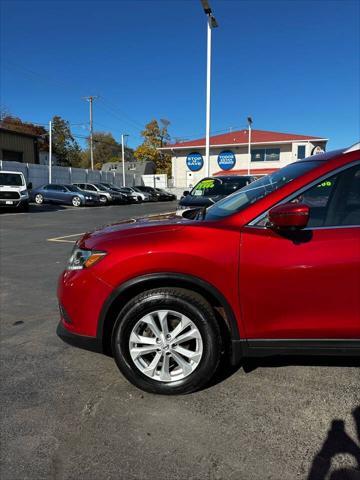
(68, 414)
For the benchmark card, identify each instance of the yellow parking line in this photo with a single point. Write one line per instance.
(61, 239)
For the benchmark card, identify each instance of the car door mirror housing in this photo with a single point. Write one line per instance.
(186, 192)
(289, 216)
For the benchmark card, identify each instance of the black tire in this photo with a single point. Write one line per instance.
(103, 200)
(197, 309)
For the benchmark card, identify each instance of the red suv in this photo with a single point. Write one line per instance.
(272, 269)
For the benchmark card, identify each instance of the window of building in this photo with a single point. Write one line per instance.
(10, 156)
(301, 151)
(265, 154)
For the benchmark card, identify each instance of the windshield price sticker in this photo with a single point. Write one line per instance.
(205, 185)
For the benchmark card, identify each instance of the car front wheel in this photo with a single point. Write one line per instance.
(167, 341)
(39, 199)
(103, 200)
(76, 201)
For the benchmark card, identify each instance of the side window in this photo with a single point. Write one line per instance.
(91, 188)
(335, 201)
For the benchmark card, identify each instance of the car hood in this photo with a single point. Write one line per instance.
(194, 201)
(154, 224)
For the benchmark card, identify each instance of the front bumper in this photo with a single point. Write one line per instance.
(81, 297)
(13, 203)
(81, 341)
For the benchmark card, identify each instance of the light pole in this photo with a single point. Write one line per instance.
(250, 121)
(211, 23)
(123, 156)
(50, 150)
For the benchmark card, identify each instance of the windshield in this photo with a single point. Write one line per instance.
(107, 185)
(100, 187)
(72, 188)
(11, 179)
(258, 189)
(209, 187)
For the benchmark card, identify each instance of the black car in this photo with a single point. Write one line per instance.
(164, 195)
(117, 197)
(154, 195)
(128, 194)
(210, 190)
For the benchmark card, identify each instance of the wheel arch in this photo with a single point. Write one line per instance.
(121, 295)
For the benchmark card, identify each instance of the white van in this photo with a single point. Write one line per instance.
(13, 190)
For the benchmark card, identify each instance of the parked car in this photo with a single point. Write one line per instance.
(117, 196)
(153, 194)
(63, 194)
(90, 188)
(210, 190)
(131, 196)
(13, 190)
(164, 195)
(261, 273)
(145, 196)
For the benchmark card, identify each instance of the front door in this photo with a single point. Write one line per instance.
(306, 284)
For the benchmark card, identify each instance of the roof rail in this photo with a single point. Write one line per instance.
(354, 147)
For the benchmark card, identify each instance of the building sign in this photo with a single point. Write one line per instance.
(194, 161)
(317, 150)
(226, 160)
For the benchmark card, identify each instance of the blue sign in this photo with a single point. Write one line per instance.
(226, 160)
(194, 161)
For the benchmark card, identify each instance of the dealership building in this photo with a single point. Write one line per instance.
(229, 154)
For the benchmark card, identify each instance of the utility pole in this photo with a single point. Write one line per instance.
(123, 157)
(90, 99)
(250, 121)
(211, 23)
(50, 150)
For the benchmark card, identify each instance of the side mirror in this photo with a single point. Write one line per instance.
(191, 214)
(29, 186)
(289, 216)
(186, 192)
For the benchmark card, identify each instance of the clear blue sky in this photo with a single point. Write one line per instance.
(292, 65)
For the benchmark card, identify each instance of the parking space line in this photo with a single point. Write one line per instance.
(61, 239)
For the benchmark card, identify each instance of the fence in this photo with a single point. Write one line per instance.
(39, 174)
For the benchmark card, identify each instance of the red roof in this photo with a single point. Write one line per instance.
(253, 171)
(242, 137)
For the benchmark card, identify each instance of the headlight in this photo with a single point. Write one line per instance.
(24, 193)
(81, 259)
(88, 198)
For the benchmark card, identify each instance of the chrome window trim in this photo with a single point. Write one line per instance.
(303, 189)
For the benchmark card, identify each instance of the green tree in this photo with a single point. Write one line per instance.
(65, 146)
(155, 136)
(106, 149)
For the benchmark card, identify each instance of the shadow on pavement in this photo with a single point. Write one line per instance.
(337, 442)
(225, 370)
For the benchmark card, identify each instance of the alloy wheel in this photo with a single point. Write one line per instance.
(166, 345)
(76, 201)
(39, 199)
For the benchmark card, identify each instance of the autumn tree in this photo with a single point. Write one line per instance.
(16, 124)
(155, 136)
(65, 146)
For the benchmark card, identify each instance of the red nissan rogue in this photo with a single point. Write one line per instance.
(272, 269)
